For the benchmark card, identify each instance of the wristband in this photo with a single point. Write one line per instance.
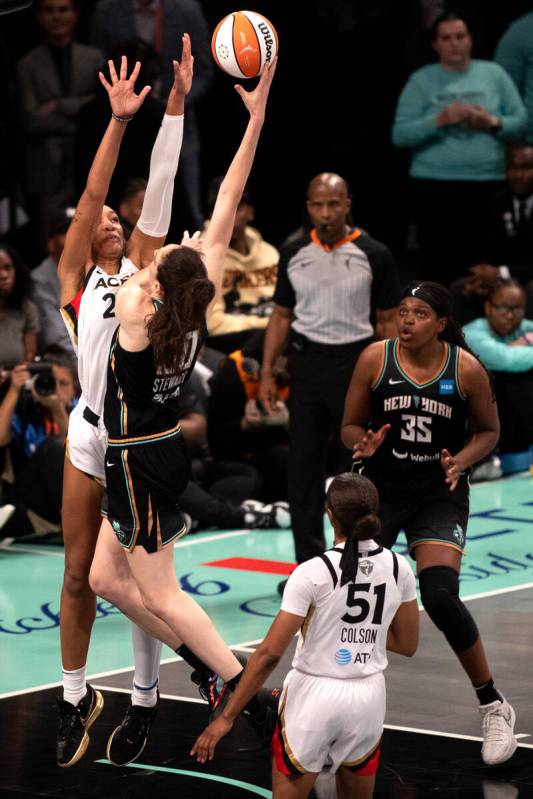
(121, 119)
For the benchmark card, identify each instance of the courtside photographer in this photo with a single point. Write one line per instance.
(37, 398)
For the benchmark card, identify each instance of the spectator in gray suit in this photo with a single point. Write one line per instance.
(54, 80)
(162, 23)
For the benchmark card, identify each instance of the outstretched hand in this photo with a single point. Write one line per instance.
(452, 469)
(204, 747)
(195, 242)
(183, 70)
(370, 442)
(256, 100)
(121, 90)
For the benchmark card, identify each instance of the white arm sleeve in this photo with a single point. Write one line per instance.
(157, 205)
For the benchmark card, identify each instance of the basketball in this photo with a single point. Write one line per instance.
(243, 42)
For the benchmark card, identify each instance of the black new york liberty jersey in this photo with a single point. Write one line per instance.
(424, 418)
(140, 401)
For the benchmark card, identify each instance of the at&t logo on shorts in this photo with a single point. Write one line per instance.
(343, 657)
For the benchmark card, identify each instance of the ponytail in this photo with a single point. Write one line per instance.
(353, 502)
(367, 526)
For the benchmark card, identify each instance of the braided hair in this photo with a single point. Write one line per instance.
(354, 503)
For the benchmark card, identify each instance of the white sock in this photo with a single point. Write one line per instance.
(146, 657)
(74, 685)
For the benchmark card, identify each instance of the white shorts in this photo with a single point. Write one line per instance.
(86, 444)
(325, 722)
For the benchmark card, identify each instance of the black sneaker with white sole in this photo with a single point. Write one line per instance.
(74, 722)
(275, 516)
(207, 682)
(128, 740)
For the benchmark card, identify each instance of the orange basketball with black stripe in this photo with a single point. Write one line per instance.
(243, 42)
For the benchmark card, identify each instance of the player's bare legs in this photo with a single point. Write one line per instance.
(354, 786)
(164, 599)
(82, 497)
(284, 787)
(112, 579)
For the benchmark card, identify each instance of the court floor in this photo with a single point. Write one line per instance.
(431, 745)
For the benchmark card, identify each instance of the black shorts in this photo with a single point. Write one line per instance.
(426, 510)
(143, 483)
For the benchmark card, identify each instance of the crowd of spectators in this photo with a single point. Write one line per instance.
(467, 124)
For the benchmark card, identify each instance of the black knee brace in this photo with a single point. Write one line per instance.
(439, 591)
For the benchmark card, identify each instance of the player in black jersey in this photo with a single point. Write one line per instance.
(405, 418)
(161, 313)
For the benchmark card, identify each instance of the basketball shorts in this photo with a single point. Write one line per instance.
(143, 483)
(426, 510)
(325, 722)
(86, 444)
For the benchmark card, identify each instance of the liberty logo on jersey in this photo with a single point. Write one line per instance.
(343, 657)
(366, 567)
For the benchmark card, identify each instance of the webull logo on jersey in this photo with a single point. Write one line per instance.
(343, 657)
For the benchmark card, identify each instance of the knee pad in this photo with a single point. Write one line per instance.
(439, 591)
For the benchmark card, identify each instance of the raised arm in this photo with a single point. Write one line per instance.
(218, 235)
(77, 251)
(151, 230)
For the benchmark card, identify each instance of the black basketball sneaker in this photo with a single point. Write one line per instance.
(74, 722)
(128, 740)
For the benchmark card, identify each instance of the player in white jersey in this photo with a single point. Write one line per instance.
(349, 605)
(95, 262)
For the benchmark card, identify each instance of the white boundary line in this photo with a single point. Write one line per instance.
(175, 697)
(440, 734)
(113, 672)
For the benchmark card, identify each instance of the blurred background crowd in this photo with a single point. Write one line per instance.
(426, 109)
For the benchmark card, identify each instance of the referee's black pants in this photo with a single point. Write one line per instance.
(319, 379)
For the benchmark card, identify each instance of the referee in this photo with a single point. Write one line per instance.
(337, 288)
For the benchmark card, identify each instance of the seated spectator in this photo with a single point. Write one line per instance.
(45, 289)
(19, 320)
(507, 242)
(250, 274)
(54, 80)
(240, 429)
(503, 341)
(219, 489)
(455, 116)
(130, 203)
(33, 424)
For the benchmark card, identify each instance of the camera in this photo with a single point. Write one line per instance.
(43, 381)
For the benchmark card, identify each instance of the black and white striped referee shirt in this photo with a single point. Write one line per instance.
(336, 290)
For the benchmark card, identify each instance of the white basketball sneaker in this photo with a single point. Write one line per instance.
(499, 743)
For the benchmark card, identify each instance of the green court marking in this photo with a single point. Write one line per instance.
(499, 556)
(246, 786)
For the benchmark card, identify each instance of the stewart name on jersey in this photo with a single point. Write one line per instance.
(140, 400)
(424, 418)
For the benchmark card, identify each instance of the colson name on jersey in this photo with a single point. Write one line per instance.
(419, 403)
(358, 635)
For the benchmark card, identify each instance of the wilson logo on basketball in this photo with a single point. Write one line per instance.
(243, 42)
